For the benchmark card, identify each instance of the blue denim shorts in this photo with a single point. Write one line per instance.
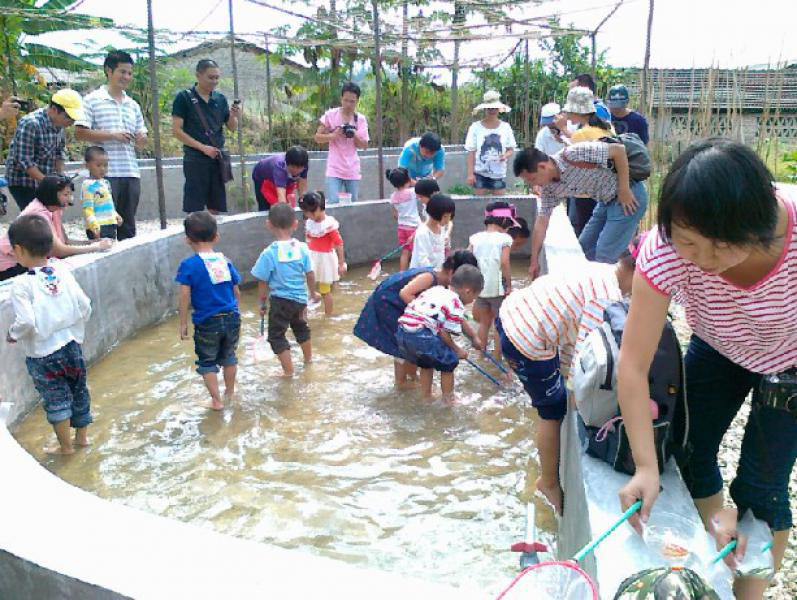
(716, 389)
(215, 341)
(60, 378)
(488, 183)
(541, 379)
(426, 350)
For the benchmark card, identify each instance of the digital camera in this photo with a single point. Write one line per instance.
(348, 130)
(780, 391)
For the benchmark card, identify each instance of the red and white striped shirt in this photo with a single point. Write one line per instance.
(754, 327)
(557, 311)
(437, 309)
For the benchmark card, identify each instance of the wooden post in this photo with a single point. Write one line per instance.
(156, 116)
(643, 87)
(405, 73)
(244, 193)
(526, 107)
(268, 96)
(594, 60)
(378, 77)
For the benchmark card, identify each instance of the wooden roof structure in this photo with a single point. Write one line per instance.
(745, 89)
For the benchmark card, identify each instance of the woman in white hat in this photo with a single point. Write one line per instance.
(490, 142)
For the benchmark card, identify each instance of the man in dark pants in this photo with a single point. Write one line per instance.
(114, 121)
(38, 146)
(201, 146)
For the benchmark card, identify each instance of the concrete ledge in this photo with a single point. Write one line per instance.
(590, 485)
(57, 541)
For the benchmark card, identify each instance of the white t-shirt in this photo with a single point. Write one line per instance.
(51, 309)
(546, 142)
(487, 248)
(429, 248)
(489, 144)
(406, 205)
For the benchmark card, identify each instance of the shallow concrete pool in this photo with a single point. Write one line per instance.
(335, 461)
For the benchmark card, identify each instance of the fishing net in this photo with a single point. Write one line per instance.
(554, 580)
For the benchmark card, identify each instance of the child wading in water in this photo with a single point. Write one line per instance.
(540, 326)
(491, 248)
(325, 244)
(51, 311)
(97, 200)
(429, 245)
(282, 270)
(425, 329)
(378, 321)
(209, 282)
(405, 210)
(424, 190)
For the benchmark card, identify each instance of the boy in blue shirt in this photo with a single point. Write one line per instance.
(282, 269)
(210, 283)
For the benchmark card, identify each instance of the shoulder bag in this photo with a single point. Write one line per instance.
(225, 161)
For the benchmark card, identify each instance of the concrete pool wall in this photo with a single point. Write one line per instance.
(60, 541)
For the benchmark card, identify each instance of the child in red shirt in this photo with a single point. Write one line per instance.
(325, 243)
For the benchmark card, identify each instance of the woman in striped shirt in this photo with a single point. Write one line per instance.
(726, 250)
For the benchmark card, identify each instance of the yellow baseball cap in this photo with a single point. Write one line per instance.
(71, 102)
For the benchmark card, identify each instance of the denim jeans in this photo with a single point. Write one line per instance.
(336, 184)
(215, 342)
(716, 389)
(60, 378)
(610, 230)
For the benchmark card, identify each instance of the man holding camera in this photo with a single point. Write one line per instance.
(346, 131)
(39, 145)
(114, 121)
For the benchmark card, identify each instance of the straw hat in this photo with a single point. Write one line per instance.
(580, 101)
(492, 99)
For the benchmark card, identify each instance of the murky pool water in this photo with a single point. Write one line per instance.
(335, 462)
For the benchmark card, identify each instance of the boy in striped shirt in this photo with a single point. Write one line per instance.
(540, 327)
(97, 197)
(425, 329)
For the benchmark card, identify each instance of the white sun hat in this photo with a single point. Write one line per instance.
(492, 99)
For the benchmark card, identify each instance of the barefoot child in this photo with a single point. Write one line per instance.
(379, 319)
(97, 200)
(539, 327)
(491, 248)
(404, 205)
(325, 244)
(425, 329)
(210, 283)
(51, 311)
(282, 271)
(429, 245)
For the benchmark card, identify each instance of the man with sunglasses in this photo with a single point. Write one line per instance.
(39, 144)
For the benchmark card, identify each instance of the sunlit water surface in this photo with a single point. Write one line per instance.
(335, 462)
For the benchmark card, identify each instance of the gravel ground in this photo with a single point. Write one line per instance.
(785, 585)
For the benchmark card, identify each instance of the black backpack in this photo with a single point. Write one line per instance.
(667, 389)
(639, 164)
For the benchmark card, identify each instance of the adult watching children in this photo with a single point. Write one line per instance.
(624, 119)
(199, 115)
(490, 143)
(113, 120)
(726, 249)
(345, 131)
(423, 157)
(281, 178)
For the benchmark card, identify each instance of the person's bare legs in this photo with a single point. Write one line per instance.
(427, 375)
(328, 303)
(496, 344)
(307, 352)
(447, 385)
(212, 383)
(229, 382)
(286, 362)
(62, 432)
(405, 374)
(548, 448)
(482, 316)
(82, 437)
(404, 261)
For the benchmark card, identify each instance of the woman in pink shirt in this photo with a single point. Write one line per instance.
(53, 194)
(726, 250)
(346, 131)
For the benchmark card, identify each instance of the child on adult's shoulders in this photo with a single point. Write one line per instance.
(209, 282)
(284, 272)
(426, 328)
(51, 311)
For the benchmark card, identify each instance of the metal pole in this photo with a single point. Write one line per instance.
(378, 75)
(268, 97)
(244, 193)
(156, 116)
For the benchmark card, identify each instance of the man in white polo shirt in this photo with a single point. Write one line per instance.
(114, 121)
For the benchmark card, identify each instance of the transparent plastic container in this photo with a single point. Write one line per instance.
(679, 542)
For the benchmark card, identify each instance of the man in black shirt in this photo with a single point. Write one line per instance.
(623, 119)
(203, 141)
